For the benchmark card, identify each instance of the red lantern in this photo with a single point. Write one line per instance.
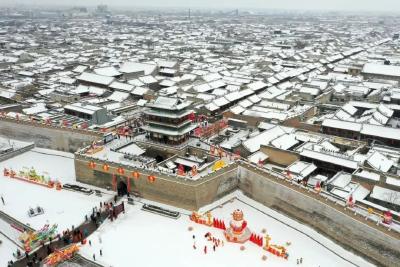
(136, 175)
(151, 178)
(121, 170)
(106, 167)
(92, 164)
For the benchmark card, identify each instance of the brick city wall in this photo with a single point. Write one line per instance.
(371, 243)
(47, 136)
(182, 193)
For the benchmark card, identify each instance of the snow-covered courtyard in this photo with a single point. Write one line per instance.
(65, 208)
(154, 240)
(57, 165)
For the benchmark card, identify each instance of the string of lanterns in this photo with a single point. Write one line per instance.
(121, 171)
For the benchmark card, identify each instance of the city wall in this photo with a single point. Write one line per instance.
(167, 189)
(47, 136)
(381, 249)
(373, 244)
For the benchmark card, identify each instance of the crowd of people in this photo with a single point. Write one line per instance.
(216, 242)
(67, 237)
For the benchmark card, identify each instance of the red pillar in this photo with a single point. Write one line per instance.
(128, 183)
(114, 182)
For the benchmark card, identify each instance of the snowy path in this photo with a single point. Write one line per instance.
(11, 233)
(7, 248)
(154, 240)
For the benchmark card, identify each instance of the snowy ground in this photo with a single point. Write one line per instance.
(7, 248)
(56, 164)
(63, 207)
(153, 240)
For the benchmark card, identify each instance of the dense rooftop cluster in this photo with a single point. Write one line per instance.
(316, 98)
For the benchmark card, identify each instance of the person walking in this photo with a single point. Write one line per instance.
(2, 200)
(85, 232)
(94, 257)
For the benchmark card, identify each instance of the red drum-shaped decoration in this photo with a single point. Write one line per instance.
(92, 164)
(106, 167)
(151, 178)
(121, 170)
(136, 175)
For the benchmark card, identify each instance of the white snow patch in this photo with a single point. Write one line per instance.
(155, 240)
